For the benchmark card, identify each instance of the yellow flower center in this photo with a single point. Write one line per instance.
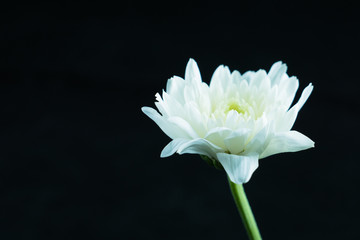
(240, 106)
(235, 106)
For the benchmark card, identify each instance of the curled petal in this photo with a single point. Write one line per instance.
(168, 128)
(200, 146)
(172, 147)
(239, 168)
(292, 141)
(184, 126)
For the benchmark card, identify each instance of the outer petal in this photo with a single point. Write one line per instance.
(304, 96)
(239, 168)
(184, 126)
(168, 128)
(172, 147)
(288, 121)
(200, 146)
(291, 141)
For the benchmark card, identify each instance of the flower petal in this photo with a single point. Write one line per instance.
(175, 88)
(276, 72)
(304, 96)
(288, 121)
(167, 127)
(200, 146)
(192, 72)
(220, 79)
(217, 136)
(259, 142)
(291, 141)
(236, 141)
(260, 80)
(287, 91)
(172, 147)
(236, 76)
(239, 168)
(184, 126)
(248, 75)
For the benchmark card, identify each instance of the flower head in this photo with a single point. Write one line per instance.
(236, 120)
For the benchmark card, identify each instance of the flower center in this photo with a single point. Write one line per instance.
(235, 106)
(240, 105)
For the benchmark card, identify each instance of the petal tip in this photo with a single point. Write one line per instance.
(164, 155)
(191, 62)
(145, 109)
(311, 86)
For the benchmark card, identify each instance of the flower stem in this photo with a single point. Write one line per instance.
(244, 208)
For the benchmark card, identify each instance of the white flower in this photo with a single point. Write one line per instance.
(237, 120)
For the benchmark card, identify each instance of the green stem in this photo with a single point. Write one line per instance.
(244, 208)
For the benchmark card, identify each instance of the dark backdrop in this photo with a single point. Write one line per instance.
(79, 160)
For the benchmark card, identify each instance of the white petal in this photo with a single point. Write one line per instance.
(172, 147)
(304, 96)
(291, 141)
(248, 75)
(171, 105)
(194, 116)
(287, 91)
(175, 88)
(288, 121)
(184, 126)
(168, 128)
(260, 79)
(200, 146)
(276, 72)
(236, 76)
(239, 168)
(217, 136)
(235, 142)
(259, 142)
(220, 79)
(204, 100)
(192, 72)
(232, 119)
(161, 106)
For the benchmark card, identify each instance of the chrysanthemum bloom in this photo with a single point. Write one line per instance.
(235, 121)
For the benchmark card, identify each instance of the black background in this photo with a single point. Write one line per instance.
(79, 160)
